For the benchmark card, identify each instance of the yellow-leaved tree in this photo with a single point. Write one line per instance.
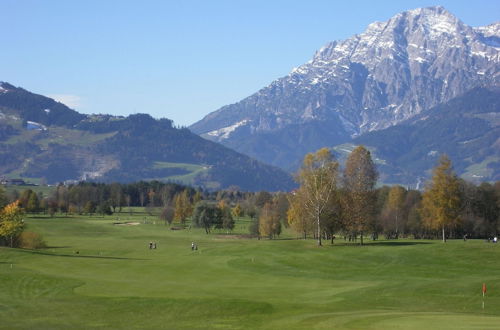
(441, 200)
(269, 221)
(11, 222)
(297, 218)
(183, 207)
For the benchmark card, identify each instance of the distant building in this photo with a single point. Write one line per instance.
(13, 182)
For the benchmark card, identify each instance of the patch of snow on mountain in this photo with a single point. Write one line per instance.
(492, 30)
(432, 153)
(223, 133)
(420, 60)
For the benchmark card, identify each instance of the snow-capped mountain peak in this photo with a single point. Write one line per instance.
(389, 73)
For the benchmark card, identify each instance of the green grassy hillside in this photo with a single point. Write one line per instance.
(116, 281)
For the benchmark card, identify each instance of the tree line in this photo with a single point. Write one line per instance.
(330, 202)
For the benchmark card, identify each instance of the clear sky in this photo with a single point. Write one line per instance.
(179, 59)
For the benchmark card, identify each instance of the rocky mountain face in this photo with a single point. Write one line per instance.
(43, 140)
(390, 73)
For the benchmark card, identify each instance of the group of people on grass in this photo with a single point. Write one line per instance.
(152, 246)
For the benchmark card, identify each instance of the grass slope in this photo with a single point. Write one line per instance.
(117, 282)
(192, 171)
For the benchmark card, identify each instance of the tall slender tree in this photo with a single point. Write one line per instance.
(441, 200)
(297, 218)
(183, 207)
(360, 177)
(395, 204)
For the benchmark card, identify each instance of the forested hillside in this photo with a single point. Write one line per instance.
(45, 141)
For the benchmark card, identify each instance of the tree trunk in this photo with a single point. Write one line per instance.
(361, 238)
(319, 231)
(444, 236)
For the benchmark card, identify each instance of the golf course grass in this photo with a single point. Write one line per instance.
(99, 275)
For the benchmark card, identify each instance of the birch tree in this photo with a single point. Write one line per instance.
(318, 180)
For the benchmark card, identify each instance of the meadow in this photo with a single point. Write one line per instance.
(95, 274)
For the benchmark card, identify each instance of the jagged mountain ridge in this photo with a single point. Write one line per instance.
(390, 73)
(44, 139)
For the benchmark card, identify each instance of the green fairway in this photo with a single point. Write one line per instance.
(116, 281)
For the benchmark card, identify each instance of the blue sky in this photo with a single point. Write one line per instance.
(179, 59)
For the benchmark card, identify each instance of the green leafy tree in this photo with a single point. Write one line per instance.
(487, 207)
(253, 228)
(281, 204)
(4, 200)
(206, 216)
(441, 200)
(104, 208)
(33, 204)
(227, 218)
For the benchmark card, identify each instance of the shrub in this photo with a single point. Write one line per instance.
(31, 240)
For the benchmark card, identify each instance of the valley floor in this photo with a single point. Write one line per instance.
(97, 275)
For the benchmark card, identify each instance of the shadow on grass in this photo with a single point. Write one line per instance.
(75, 255)
(47, 217)
(377, 243)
